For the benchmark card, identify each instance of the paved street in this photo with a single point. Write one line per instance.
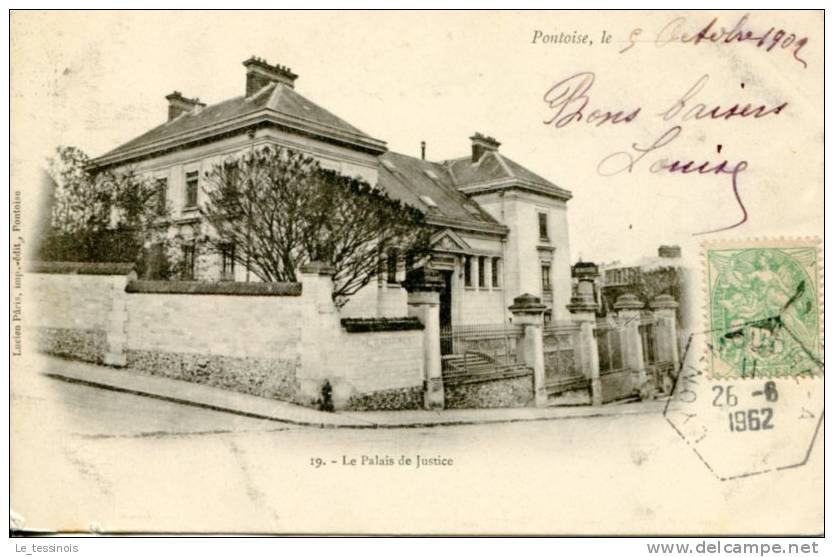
(121, 462)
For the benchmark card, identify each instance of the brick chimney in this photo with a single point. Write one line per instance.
(482, 144)
(259, 74)
(177, 104)
(670, 252)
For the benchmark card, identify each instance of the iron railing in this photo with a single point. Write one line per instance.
(480, 352)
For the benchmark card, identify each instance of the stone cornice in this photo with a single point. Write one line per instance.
(491, 229)
(228, 288)
(241, 124)
(519, 184)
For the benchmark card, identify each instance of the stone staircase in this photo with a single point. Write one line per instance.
(473, 367)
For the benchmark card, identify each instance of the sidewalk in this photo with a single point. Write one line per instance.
(214, 398)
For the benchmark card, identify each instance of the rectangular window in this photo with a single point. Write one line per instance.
(543, 232)
(191, 184)
(546, 277)
(467, 271)
(392, 266)
(227, 263)
(188, 262)
(161, 196)
(482, 272)
(496, 272)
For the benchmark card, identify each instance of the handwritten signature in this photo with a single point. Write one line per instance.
(676, 32)
(625, 161)
(570, 101)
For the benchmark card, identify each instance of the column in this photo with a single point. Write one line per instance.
(528, 312)
(424, 287)
(583, 308)
(628, 308)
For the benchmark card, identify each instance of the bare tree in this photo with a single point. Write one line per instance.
(281, 210)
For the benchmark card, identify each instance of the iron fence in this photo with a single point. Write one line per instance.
(648, 336)
(562, 372)
(609, 347)
(480, 352)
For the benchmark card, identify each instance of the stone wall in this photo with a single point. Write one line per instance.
(239, 336)
(378, 370)
(618, 385)
(499, 393)
(280, 341)
(73, 305)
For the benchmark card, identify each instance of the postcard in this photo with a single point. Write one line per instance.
(417, 272)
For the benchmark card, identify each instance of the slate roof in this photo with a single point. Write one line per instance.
(495, 169)
(439, 188)
(276, 101)
(419, 182)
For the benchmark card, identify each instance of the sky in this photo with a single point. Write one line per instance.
(96, 80)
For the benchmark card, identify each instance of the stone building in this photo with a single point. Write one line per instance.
(501, 230)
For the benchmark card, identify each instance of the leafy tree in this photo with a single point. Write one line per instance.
(281, 210)
(101, 215)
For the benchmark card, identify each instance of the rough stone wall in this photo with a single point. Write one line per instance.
(618, 385)
(268, 378)
(374, 370)
(243, 343)
(501, 393)
(252, 338)
(84, 345)
(70, 313)
(407, 398)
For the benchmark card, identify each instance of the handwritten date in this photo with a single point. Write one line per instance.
(678, 31)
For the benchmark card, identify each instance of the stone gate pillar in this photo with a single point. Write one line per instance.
(628, 308)
(664, 307)
(318, 322)
(117, 320)
(528, 311)
(583, 307)
(424, 287)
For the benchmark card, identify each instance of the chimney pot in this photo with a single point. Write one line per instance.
(259, 74)
(481, 144)
(423, 150)
(669, 251)
(177, 104)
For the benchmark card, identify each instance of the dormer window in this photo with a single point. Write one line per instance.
(428, 201)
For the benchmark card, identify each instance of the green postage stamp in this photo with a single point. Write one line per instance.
(764, 308)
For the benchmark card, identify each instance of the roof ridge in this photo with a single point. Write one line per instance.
(262, 91)
(276, 95)
(452, 177)
(500, 158)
